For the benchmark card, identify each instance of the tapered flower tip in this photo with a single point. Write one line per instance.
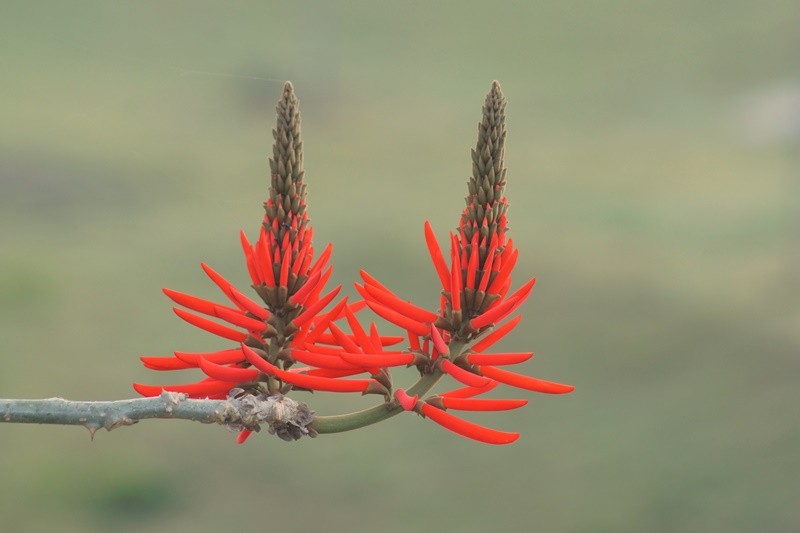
(243, 435)
(406, 402)
(289, 88)
(466, 428)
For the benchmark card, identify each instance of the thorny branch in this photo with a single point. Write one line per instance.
(282, 416)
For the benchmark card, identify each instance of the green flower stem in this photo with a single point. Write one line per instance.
(373, 415)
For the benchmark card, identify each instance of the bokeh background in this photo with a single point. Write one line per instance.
(653, 179)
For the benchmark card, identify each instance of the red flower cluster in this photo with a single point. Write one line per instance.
(291, 328)
(474, 297)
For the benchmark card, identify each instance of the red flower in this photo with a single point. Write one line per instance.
(289, 325)
(474, 298)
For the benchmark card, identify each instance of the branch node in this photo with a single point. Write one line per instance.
(284, 417)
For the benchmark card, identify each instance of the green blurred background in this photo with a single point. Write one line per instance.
(653, 180)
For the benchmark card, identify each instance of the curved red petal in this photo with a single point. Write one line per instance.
(496, 335)
(321, 360)
(498, 312)
(393, 302)
(223, 284)
(378, 360)
(399, 320)
(307, 381)
(437, 257)
(210, 326)
(316, 307)
(310, 284)
(510, 358)
(438, 341)
(202, 389)
(406, 402)
(249, 305)
(473, 404)
(525, 382)
(228, 373)
(464, 376)
(191, 302)
(468, 392)
(467, 429)
(221, 357)
(238, 319)
(165, 363)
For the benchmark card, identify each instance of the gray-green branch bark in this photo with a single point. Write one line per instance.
(282, 416)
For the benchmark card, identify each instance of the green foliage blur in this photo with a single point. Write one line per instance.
(653, 180)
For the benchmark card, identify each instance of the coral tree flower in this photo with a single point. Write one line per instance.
(475, 299)
(289, 326)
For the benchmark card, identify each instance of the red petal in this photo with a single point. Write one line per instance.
(393, 302)
(238, 319)
(438, 341)
(221, 357)
(406, 402)
(264, 257)
(301, 257)
(472, 266)
(468, 392)
(498, 312)
(250, 260)
(360, 335)
(164, 363)
(249, 305)
(400, 320)
(200, 389)
(322, 260)
(382, 360)
(413, 341)
(455, 277)
(375, 337)
(192, 302)
(436, 256)
(369, 280)
(321, 360)
(321, 325)
(243, 436)
(505, 271)
(228, 373)
(487, 264)
(464, 376)
(496, 335)
(307, 381)
(210, 326)
(344, 340)
(510, 358)
(472, 404)
(525, 382)
(223, 284)
(332, 372)
(466, 428)
(312, 310)
(305, 289)
(285, 263)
